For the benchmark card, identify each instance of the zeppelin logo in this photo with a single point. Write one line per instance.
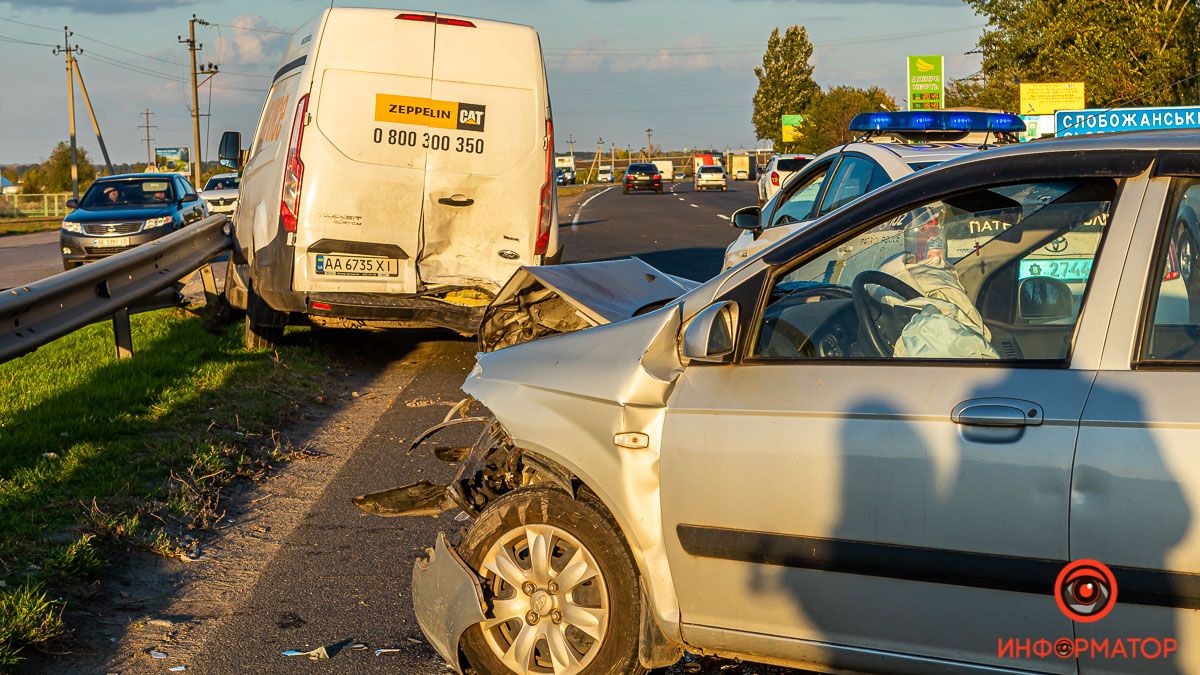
(428, 112)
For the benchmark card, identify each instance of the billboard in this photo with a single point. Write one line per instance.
(1047, 98)
(791, 127)
(1098, 121)
(926, 83)
(173, 159)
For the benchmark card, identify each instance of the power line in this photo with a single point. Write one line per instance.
(5, 38)
(31, 25)
(128, 51)
(256, 30)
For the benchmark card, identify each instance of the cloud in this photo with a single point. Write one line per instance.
(249, 47)
(694, 52)
(98, 7)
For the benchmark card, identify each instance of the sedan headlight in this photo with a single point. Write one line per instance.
(158, 222)
(69, 226)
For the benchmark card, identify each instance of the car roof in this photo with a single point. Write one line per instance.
(137, 175)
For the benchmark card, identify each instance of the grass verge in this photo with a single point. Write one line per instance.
(27, 225)
(97, 453)
(572, 190)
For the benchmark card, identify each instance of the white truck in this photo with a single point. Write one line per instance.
(666, 168)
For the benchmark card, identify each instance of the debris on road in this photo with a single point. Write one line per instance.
(419, 499)
(327, 652)
(155, 654)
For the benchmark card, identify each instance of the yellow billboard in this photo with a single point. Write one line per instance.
(1047, 98)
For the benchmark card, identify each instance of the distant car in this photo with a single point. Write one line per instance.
(776, 173)
(643, 176)
(120, 212)
(605, 175)
(565, 176)
(711, 177)
(221, 193)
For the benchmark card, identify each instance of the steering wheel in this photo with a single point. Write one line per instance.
(863, 302)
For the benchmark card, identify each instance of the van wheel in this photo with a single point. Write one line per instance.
(264, 326)
(562, 588)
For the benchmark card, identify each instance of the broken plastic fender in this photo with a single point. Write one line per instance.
(447, 599)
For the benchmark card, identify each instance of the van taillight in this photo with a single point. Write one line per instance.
(775, 178)
(429, 18)
(293, 172)
(546, 200)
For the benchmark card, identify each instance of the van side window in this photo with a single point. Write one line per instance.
(1172, 332)
(271, 123)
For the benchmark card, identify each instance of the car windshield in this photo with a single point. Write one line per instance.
(222, 183)
(129, 192)
(791, 164)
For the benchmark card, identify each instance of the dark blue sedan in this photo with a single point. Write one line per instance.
(120, 212)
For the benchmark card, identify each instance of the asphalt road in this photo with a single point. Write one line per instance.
(28, 257)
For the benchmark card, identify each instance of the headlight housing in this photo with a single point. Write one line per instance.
(158, 222)
(69, 226)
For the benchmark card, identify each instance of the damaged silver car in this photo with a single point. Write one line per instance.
(871, 447)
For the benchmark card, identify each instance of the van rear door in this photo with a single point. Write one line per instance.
(364, 180)
(486, 167)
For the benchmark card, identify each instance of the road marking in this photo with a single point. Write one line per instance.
(694, 206)
(722, 216)
(579, 211)
(681, 199)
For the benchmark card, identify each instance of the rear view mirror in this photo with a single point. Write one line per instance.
(710, 336)
(1044, 300)
(230, 150)
(71, 203)
(747, 218)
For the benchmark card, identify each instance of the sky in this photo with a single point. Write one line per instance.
(616, 67)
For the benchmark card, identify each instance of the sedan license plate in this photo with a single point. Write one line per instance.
(341, 265)
(1062, 269)
(111, 242)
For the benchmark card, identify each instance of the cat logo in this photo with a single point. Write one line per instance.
(429, 112)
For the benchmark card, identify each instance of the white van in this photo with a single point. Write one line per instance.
(401, 171)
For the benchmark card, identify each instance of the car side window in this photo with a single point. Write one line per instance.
(186, 189)
(1172, 333)
(929, 283)
(851, 181)
(802, 203)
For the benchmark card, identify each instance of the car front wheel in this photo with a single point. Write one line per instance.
(562, 588)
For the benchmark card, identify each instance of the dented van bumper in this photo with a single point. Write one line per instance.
(461, 313)
(447, 599)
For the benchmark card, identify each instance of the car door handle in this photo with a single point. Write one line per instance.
(997, 412)
(456, 200)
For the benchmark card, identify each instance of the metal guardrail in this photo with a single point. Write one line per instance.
(45, 310)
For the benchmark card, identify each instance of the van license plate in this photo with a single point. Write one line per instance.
(110, 242)
(339, 265)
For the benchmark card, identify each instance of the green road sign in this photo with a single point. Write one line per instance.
(791, 127)
(926, 83)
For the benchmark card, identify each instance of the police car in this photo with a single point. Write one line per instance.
(892, 145)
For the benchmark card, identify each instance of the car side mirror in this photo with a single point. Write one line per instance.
(1043, 300)
(190, 198)
(229, 152)
(747, 218)
(711, 334)
(71, 203)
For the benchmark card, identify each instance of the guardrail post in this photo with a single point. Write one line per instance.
(210, 285)
(123, 333)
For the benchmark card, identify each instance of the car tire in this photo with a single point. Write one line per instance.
(1187, 251)
(70, 264)
(261, 332)
(626, 190)
(724, 189)
(579, 529)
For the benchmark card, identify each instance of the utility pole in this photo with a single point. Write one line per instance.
(87, 101)
(147, 126)
(209, 69)
(571, 144)
(599, 151)
(69, 51)
(612, 156)
(649, 148)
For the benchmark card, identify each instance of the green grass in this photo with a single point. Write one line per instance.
(571, 190)
(27, 225)
(96, 451)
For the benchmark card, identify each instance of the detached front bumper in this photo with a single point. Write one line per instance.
(447, 599)
(87, 247)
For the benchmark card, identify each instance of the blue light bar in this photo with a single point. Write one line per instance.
(916, 121)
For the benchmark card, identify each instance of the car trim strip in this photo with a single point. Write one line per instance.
(289, 66)
(1017, 574)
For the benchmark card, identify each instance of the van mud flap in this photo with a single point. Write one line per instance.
(537, 302)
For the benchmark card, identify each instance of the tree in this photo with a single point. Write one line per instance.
(54, 174)
(1126, 53)
(785, 82)
(828, 120)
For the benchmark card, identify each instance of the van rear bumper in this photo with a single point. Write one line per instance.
(389, 310)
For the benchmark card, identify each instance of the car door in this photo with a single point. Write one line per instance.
(833, 497)
(1136, 488)
(192, 207)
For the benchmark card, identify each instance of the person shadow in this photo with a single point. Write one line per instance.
(948, 539)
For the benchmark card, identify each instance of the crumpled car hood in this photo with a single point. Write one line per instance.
(537, 302)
